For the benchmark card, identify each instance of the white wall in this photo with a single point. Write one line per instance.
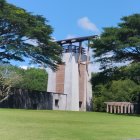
(51, 86)
(70, 99)
(61, 101)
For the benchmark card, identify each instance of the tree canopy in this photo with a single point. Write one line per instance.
(14, 77)
(116, 84)
(121, 43)
(33, 79)
(8, 79)
(24, 35)
(30, 78)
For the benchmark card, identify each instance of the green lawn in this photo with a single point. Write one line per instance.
(59, 125)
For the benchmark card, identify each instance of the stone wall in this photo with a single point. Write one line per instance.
(27, 99)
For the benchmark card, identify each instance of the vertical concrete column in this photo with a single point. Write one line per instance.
(110, 108)
(51, 79)
(114, 109)
(121, 108)
(67, 80)
(125, 109)
(74, 83)
(71, 81)
(118, 109)
(107, 108)
(89, 89)
(129, 109)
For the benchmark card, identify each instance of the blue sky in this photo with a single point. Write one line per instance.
(80, 17)
(74, 18)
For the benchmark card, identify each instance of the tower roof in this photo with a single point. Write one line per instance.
(74, 40)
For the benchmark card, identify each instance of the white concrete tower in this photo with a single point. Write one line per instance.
(72, 79)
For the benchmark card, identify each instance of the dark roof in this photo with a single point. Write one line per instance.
(74, 40)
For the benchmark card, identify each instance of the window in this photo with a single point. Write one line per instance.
(80, 104)
(56, 103)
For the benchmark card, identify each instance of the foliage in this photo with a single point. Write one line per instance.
(116, 84)
(131, 71)
(23, 34)
(8, 79)
(119, 44)
(32, 78)
(119, 91)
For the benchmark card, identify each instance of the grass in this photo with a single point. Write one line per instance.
(59, 125)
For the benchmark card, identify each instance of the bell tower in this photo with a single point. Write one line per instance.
(72, 78)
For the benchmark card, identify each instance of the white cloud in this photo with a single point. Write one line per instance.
(85, 23)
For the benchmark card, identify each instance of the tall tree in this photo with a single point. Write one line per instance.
(23, 34)
(8, 79)
(121, 43)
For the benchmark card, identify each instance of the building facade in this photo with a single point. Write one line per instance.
(71, 82)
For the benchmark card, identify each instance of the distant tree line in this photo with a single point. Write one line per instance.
(30, 78)
(14, 77)
(116, 84)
